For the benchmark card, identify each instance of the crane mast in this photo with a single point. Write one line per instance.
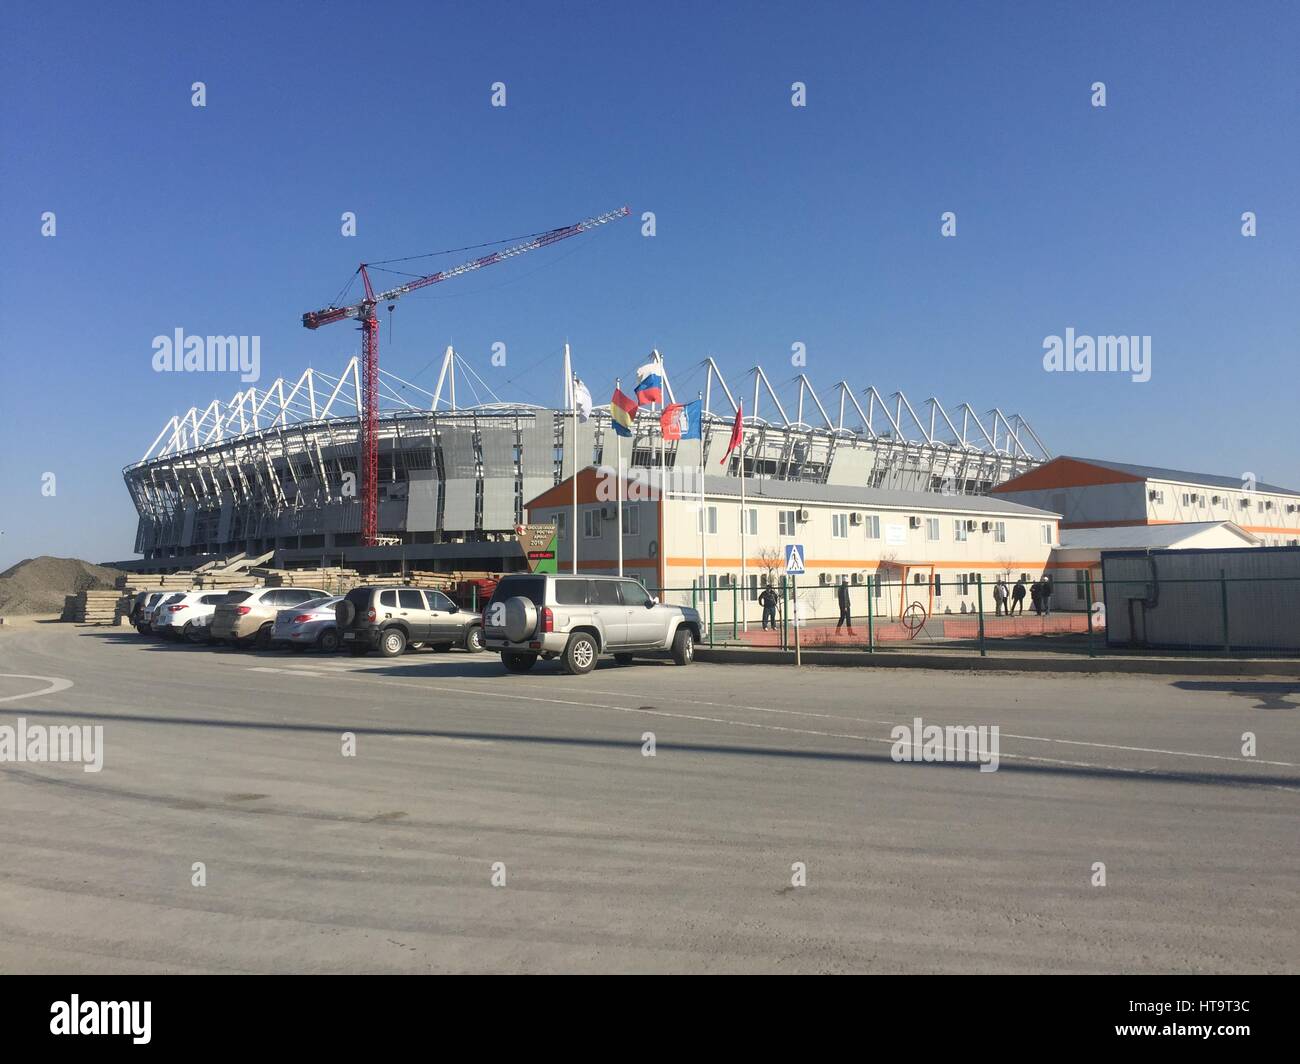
(364, 311)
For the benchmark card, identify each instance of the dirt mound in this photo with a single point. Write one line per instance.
(38, 585)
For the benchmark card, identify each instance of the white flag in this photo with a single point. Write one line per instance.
(581, 400)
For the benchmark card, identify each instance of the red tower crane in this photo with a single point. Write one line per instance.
(364, 311)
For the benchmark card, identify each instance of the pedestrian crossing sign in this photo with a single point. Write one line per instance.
(794, 559)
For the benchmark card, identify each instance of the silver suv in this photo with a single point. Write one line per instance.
(578, 618)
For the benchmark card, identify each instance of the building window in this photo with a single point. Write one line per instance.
(1047, 534)
(938, 585)
(873, 526)
(631, 521)
(710, 521)
(753, 587)
(932, 528)
(959, 531)
(749, 522)
(1081, 584)
(964, 583)
(840, 526)
(999, 531)
(785, 521)
(591, 524)
(561, 524)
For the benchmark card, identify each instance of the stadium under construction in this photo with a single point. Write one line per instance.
(277, 469)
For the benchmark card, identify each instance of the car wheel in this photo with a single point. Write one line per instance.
(143, 629)
(358, 650)
(415, 646)
(623, 659)
(515, 661)
(328, 642)
(392, 644)
(579, 656)
(684, 646)
(193, 633)
(262, 641)
(474, 640)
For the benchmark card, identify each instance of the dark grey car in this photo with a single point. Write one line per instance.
(390, 619)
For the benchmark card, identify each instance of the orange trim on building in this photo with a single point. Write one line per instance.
(1065, 473)
(839, 563)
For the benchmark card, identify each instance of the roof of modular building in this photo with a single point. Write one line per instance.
(867, 498)
(1138, 537)
(1048, 476)
(684, 484)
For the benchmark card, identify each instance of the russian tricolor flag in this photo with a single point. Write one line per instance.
(649, 384)
(622, 412)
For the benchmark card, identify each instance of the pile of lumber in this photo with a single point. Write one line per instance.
(95, 607)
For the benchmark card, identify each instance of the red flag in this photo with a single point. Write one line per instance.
(737, 433)
(670, 421)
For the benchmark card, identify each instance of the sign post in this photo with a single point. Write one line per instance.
(794, 567)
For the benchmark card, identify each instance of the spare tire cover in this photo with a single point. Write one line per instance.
(344, 613)
(521, 618)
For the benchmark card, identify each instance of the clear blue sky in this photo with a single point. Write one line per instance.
(775, 224)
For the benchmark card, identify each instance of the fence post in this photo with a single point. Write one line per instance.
(708, 594)
(1223, 599)
(473, 598)
(979, 598)
(695, 597)
(1087, 598)
(735, 605)
(785, 615)
(794, 602)
(871, 615)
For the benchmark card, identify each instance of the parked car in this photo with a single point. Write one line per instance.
(244, 618)
(141, 609)
(160, 607)
(188, 616)
(579, 618)
(390, 619)
(312, 624)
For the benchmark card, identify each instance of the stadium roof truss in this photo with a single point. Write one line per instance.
(288, 447)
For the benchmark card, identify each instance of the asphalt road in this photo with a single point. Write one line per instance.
(617, 861)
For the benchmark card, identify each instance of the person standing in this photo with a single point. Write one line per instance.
(1036, 596)
(846, 616)
(1045, 595)
(1000, 597)
(768, 601)
(1018, 597)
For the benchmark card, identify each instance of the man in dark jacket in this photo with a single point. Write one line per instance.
(768, 601)
(1017, 597)
(1036, 595)
(845, 616)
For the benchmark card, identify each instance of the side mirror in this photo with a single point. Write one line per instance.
(454, 608)
(651, 602)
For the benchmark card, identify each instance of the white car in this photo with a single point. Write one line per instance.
(311, 624)
(187, 615)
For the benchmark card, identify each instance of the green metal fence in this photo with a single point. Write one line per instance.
(1224, 615)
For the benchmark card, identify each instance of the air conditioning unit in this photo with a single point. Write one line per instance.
(1268, 505)
(801, 516)
(913, 522)
(609, 513)
(855, 519)
(855, 578)
(1245, 504)
(824, 579)
(1290, 507)
(970, 526)
(1215, 499)
(987, 526)
(1153, 495)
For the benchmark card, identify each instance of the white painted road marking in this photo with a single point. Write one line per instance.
(57, 683)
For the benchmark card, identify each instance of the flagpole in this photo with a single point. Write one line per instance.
(569, 380)
(744, 582)
(618, 483)
(704, 550)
